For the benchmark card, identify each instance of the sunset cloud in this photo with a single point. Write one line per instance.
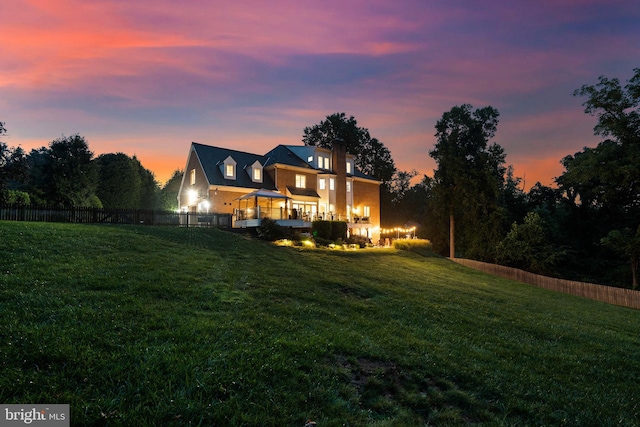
(147, 78)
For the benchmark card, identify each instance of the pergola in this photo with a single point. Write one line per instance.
(261, 194)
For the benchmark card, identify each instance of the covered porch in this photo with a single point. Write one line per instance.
(260, 204)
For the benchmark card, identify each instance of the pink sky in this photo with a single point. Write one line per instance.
(149, 77)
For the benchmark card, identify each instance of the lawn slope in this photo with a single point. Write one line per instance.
(171, 326)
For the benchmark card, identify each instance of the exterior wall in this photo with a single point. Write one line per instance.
(200, 187)
(368, 194)
(224, 201)
(339, 160)
(287, 177)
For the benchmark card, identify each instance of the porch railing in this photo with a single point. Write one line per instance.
(262, 212)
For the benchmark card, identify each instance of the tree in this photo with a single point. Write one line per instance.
(119, 181)
(469, 177)
(626, 243)
(170, 190)
(608, 175)
(149, 187)
(527, 246)
(13, 166)
(64, 173)
(602, 184)
(372, 157)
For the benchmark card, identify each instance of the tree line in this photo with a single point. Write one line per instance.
(66, 173)
(587, 228)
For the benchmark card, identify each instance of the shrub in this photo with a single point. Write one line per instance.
(17, 197)
(361, 241)
(338, 230)
(321, 229)
(270, 230)
(414, 245)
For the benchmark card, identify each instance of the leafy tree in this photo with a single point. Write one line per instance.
(372, 157)
(13, 166)
(119, 181)
(468, 180)
(170, 190)
(149, 187)
(528, 247)
(64, 173)
(626, 243)
(608, 176)
(601, 185)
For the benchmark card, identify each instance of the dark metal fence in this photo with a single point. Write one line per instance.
(89, 215)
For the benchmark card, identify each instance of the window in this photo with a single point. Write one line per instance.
(192, 177)
(319, 162)
(332, 184)
(309, 159)
(326, 163)
(322, 183)
(229, 168)
(301, 181)
(348, 167)
(367, 211)
(348, 186)
(256, 172)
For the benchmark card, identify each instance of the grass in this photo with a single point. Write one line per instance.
(170, 326)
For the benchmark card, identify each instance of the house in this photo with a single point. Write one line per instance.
(293, 185)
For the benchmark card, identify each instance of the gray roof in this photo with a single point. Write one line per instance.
(212, 158)
(285, 156)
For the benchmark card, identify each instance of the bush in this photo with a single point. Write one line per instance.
(338, 230)
(270, 230)
(361, 241)
(329, 230)
(16, 197)
(414, 245)
(321, 229)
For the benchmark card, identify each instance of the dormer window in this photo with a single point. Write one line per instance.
(323, 162)
(349, 168)
(256, 172)
(229, 168)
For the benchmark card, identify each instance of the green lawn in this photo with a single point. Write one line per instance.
(144, 326)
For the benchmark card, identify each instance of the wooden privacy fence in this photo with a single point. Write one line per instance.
(89, 215)
(608, 294)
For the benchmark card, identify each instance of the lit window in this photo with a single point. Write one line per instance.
(348, 186)
(193, 176)
(326, 163)
(322, 183)
(367, 211)
(332, 184)
(310, 159)
(348, 167)
(257, 174)
(301, 181)
(229, 170)
(319, 162)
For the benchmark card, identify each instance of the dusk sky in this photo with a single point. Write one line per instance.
(147, 78)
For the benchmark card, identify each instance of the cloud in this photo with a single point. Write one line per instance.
(150, 77)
